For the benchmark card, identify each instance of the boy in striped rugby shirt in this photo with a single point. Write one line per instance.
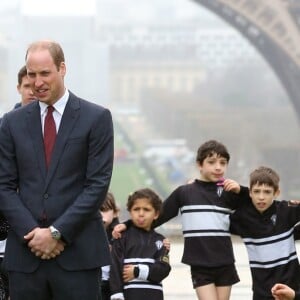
(205, 206)
(266, 227)
(140, 260)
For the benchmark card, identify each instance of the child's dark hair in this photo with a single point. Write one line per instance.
(147, 193)
(210, 148)
(265, 175)
(21, 74)
(109, 203)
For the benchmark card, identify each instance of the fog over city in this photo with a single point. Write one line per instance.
(174, 75)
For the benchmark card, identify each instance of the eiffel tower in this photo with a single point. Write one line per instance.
(273, 28)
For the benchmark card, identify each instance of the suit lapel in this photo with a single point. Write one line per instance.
(67, 123)
(34, 126)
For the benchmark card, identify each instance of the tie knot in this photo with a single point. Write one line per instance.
(50, 109)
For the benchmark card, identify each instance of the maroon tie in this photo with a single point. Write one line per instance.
(49, 134)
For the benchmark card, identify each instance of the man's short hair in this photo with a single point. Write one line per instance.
(53, 47)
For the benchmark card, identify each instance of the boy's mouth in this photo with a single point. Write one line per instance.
(260, 204)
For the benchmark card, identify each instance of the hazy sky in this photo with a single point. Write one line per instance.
(58, 7)
(139, 10)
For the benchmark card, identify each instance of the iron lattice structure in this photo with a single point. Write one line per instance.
(273, 27)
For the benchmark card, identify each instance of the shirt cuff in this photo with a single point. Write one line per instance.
(118, 296)
(144, 272)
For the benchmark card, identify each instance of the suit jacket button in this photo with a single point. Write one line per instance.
(46, 196)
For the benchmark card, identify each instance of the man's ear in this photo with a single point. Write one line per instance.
(277, 193)
(63, 68)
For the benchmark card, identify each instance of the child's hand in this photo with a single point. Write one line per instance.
(231, 186)
(117, 230)
(282, 292)
(294, 203)
(128, 273)
(167, 244)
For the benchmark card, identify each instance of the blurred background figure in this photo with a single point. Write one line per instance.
(109, 211)
(24, 88)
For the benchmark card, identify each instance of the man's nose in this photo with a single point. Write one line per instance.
(38, 81)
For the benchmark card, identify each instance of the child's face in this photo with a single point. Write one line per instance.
(213, 168)
(107, 217)
(143, 213)
(262, 196)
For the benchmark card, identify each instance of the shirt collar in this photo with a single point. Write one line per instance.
(59, 105)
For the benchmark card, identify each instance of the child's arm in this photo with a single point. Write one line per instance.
(155, 272)
(161, 268)
(128, 272)
(231, 186)
(118, 229)
(170, 210)
(167, 244)
(297, 232)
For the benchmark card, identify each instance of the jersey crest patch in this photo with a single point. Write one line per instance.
(159, 244)
(219, 190)
(273, 219)
(220, 184)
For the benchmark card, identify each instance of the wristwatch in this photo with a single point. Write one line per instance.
(55, 233)
(136, 271)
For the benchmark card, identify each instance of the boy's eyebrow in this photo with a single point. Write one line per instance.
(260, 185)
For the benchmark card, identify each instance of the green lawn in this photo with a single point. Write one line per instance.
(127, 177)
(130, 171)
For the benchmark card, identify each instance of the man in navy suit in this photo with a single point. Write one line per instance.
(56, 243)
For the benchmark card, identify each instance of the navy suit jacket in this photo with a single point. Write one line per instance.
(68, 195)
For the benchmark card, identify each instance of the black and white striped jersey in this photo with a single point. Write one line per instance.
(144, 249)
(205, 209)
(270, 244)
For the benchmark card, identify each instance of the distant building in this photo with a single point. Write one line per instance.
(171, 56)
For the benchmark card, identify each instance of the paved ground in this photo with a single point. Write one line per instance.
(178, 284)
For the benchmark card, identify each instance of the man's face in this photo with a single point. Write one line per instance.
(25, 91)
(262, 196)
(46, 80)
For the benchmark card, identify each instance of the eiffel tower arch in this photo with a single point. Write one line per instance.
(273, 27)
